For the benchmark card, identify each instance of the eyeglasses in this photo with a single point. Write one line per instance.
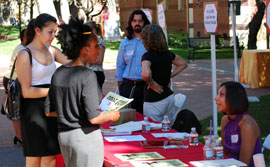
(139, 21)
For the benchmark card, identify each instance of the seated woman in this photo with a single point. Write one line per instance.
(240, 132)
(75, 96)
(156, 72)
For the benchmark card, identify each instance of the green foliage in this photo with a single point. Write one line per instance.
(11, 31)
(112, 45)
(177, 39)
(260, 111)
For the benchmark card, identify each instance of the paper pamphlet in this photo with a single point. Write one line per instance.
(222, 162)
(182, 135)
(111, 132)
(125, 138)
(159, 163)
(163, 144)
(133, 126)
(113, 101)
(139, 156)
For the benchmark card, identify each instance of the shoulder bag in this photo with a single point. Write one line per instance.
(12, 103)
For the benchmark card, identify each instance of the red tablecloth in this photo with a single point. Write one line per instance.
(193, 153)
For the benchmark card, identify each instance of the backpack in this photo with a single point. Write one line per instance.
(185, 120)
(12, 106)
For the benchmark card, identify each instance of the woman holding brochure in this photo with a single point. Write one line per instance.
(75, 96)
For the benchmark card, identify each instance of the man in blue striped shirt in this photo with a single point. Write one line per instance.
(129, 68)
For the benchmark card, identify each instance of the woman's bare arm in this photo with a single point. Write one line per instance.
(179, 64)
(249, 135)
(59, 56)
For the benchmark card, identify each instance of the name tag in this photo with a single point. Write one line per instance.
(130, 53)
(234, 138)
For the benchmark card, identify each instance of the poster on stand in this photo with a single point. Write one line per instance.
(210, 17)
(161, 18)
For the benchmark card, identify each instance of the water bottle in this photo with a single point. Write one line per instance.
(208, 151)
(145, 125)
(218, 150)
(165, 123)
(193, 137)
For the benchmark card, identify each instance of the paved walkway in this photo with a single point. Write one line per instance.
(194, 82)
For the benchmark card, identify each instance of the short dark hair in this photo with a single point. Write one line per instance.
(74, 36)
(129, 30)
(41, 21)
(236, 97)
(154, 39)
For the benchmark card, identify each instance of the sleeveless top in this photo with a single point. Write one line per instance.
(42, 74)
(232, 137)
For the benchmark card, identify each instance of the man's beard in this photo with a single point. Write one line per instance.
(137, 29)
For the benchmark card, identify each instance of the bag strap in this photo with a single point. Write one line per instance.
(13, 67)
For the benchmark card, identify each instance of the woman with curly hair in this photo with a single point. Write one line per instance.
(75, 96)
(156, 72)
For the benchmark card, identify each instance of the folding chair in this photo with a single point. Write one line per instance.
(179, 100)
(266, 143)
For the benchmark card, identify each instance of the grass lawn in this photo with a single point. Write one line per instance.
(7, 46)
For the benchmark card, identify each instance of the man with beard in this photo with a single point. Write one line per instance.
(129, 69)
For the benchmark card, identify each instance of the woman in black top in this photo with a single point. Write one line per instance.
(75, 96)
(156, 71)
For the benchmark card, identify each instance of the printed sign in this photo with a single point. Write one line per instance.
(161, 18)
(210, 17)
(268, 16)
(148, 13)
(161, 15)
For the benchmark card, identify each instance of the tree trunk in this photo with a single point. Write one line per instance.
(6, 11)
(75, 11)
(255, 25)
(31, 9)
(57, 6)
(84, 8)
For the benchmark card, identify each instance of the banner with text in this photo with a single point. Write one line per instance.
(161, 18)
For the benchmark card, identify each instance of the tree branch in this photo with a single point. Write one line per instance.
(104, 5)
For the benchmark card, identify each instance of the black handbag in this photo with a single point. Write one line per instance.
(12, 103)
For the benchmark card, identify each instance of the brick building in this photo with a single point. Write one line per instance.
(191, 20)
